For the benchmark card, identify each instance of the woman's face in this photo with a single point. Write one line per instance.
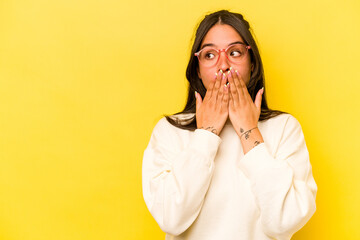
(220, 36)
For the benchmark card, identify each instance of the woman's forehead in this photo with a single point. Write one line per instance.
(221, 36)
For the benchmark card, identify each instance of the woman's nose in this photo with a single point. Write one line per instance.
(223, 63)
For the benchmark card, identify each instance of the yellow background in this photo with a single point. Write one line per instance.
(82, 84)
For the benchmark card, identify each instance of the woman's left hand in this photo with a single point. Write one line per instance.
(243, 112)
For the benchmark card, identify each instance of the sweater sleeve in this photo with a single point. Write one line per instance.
(176, 175)
(283, 185)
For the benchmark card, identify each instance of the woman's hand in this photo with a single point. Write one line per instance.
(243, 112)
(212, 112)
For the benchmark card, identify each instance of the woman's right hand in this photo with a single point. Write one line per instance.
(212, 112)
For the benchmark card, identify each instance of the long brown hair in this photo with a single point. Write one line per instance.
(257, 79)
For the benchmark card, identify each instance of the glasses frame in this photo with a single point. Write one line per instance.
(222, 50)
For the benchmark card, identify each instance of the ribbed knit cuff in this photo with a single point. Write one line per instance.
(257, 160)
(205, 142)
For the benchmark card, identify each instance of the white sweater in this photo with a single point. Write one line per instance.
(200, 186)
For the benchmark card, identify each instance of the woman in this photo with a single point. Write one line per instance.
(228, 167)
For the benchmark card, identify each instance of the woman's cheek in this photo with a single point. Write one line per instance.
(246, 78)
(208, 80)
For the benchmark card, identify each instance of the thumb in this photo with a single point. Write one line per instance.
(259, 98)
(198, 100)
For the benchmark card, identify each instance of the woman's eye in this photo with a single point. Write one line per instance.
(236, 53)
(209, 55)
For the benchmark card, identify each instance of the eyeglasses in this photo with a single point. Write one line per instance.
(235, 53)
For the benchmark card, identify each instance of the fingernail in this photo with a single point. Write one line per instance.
(221, 71)
(216, 74)
(262, 90)
(195, 93)
(229, 72)
(224, 76)
(230, 68)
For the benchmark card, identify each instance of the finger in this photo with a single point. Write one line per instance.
(225, 99)
(231, 100)
(235, 76)
(244, 88)
(210, 89)
(241, 85)
(259, 98)
(218, 82)
(221, 89)
(198, 101)
(233, 91)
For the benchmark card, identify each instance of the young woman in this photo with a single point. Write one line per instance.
(227, 167)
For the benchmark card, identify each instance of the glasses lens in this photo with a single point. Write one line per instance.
(208, 56)
(236, 52)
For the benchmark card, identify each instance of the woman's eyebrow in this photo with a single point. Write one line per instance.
(213, 45)
(237, 42)
(207, 45)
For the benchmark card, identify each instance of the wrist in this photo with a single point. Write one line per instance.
(251, 139)
(245, 132)
(211, 129)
